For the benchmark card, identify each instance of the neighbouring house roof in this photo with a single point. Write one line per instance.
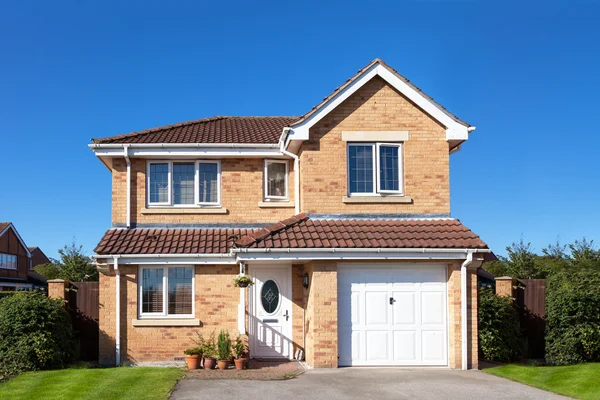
(210, 130)
(393, 71)
(3, 225)
(37, 256)
(298, 232)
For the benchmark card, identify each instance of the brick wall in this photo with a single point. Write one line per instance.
(242, 190)
(375, 107)
(216, 301)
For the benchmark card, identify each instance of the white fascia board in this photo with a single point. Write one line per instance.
(183, 152)
(454, 130)
(10, 226)
(168, 259)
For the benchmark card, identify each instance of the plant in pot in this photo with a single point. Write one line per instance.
(210, 352)
(224, 349)
(238, 351)
(193, 357)
(242, 281)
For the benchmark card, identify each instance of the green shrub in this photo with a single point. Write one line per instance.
(499, 328)
(573, 316)
(224, 346)
(35, 333)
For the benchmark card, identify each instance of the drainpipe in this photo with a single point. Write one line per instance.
(296, 169)
(242, 304)
(463, 310)
(118, 312)
(126, 155)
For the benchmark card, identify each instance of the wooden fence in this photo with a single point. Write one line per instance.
(83, 300)
(531, 301)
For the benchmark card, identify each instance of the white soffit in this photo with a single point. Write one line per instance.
(454, 130)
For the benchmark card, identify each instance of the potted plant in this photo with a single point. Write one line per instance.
(210, 352)
(193, 357)
(224, 350)
(238, 351)
(242, 281)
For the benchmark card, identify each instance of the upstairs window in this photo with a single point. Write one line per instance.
(8, 261)
(374, 168)
(276, 180)
(181, 184)
(166, 292)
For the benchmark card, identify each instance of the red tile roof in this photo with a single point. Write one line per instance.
(210, 130)
(296, 232)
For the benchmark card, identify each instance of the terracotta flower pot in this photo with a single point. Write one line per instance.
(193, 361)
(240, 363)
(223, 364)
(210, 362)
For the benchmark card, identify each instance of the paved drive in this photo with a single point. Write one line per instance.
(366, 383)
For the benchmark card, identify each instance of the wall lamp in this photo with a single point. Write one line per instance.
(305, 280)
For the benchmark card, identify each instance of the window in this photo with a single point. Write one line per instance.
(374, 168)
(184, 184)
(166, 291)
(276, 177)
(8, 261)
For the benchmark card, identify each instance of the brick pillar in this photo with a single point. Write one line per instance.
(505, 286)
(57, 288)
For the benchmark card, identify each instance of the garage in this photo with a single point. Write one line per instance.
(394, 314)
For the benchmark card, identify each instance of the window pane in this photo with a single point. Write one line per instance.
(152, 290)
(180, 290)
(209, 179)
(159, 183)
(388, 168)
(183, 183)
(276, 179)
(360, 160)
(269, 296)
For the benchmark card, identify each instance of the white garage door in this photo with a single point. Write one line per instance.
(393, 315)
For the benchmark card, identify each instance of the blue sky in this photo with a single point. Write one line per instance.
(525, 74)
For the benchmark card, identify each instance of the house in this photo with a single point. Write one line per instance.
(341, 216)
(16, 264)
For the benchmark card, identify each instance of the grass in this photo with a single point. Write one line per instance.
(92, 383)
(581, 381)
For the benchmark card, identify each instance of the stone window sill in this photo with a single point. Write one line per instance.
(276, 204)
(166, 322)
(176, 210)
(377, 199)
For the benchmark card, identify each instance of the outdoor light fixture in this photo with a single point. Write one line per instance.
(305, 280)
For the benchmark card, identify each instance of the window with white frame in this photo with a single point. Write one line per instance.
(375, 168)
(184, 183)
(8, 261)
(276, 179)
(166, 292)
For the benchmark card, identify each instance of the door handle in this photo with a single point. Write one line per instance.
(392, 301)
(286, 315)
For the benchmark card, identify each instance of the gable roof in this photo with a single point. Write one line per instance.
(350, 81)
(209, 130)
(5, 226)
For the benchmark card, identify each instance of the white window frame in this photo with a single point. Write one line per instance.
(376, 165)
(171, 202)
(266, 195)
(16, 262)
(164, 314)
(197, 183)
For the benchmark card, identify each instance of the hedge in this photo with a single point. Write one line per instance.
(35, 333)
(499, 328)
(573, 316)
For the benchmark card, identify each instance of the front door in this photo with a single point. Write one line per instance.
(270, 319)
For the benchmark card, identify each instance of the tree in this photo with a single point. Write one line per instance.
(73, 265)
(521, 263)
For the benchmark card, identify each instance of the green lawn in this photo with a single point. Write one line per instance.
(92, 383)
(581, 381)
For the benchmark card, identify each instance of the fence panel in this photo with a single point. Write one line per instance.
(84, 304)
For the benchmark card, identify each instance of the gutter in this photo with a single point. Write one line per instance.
(282, 141)
(463, 309)
(179, 145)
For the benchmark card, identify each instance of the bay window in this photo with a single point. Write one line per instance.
(276, 180)
(166, 292)
(375, 169)
(184, 184)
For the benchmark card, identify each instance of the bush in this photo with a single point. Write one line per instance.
(224, 346)
(499, 328)
(35, 333)
(573, 316)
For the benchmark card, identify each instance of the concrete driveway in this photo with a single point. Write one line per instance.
(366, 383)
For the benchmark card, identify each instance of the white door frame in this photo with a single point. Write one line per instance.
(252, 304)
(414, 265)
